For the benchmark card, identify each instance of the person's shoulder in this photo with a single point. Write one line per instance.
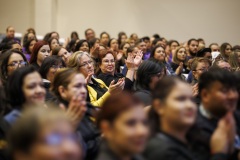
(159, 147)
(99, 81)
(160, 140)
(144, 95)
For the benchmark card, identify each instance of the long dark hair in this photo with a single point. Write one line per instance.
(80, 43)
(4, 58)
(27, 44)
(148, 68)
(14, 86)
(161, 91)
(47, 64)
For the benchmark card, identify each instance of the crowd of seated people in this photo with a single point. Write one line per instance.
(118, 98)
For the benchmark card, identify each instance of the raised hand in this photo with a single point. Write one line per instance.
(222, 140)
(179, 69)
(195, 90)
(130, 61)
(95, 51)
(88, 78)
(119, 55)
(76, 110)
(138, 59)
(115, 88)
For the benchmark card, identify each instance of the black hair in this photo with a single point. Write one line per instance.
(79, 44)
(5, 108)
(146, 38)
(88, 30)
(237, 75)
(156, 40)
(8, 45)
(154, 49)
(109, 42)
(156, 36)
(4, 58)
(149, 68)
(122, 45)
(120, 34)
(47, 37)
(190, 41)
(71, 45)
(54, 32)
(50, 41)
(103, 34)
(47, 64)
(25, 38)
(161, 91)
(14, 86)
(173, 41)
(74, 33)
(236, 48)
(56, 50)
(216, 74)
(27, 44)
(92, 42)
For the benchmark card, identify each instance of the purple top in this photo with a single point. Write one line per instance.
(28, 56)
(146, 55)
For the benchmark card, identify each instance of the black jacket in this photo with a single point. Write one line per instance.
(36, 66)
(175, 66)
(203, 129)
(89, 132)
(144, 95)
(106, 153)
(166, 147)
(108, 78)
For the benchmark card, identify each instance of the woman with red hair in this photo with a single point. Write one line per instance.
(41, 50)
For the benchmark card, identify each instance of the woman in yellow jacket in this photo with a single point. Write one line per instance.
(98, 92)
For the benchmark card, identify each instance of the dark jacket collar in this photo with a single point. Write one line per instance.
(107, 154)
(183, 148)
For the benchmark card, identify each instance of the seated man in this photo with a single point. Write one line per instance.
(218, 92)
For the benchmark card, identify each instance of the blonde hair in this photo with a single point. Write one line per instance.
(74, 60)
(197, 60)
(233, 60)
(175, 58)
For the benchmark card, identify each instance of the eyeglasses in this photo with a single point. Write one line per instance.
(56, 66)
(17, 64)
(85, 64)
(57, 139)
(107, 61)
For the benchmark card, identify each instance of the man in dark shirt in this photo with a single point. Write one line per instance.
(219, 96)
(10, 35)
